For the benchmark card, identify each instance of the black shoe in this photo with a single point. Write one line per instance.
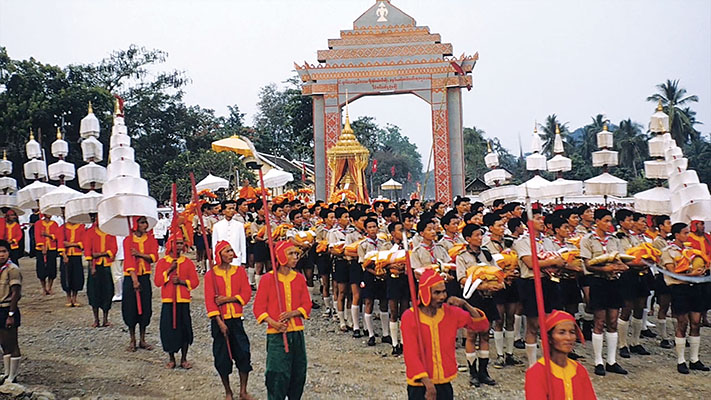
(357, 334)
(698, 366)
(399, 349)
(615, 368)
(687, 344)
(483, 374)
(394, 353)
(464, 342)
(600, 370)
(371, 340)
(625, 352)
(511, 360)
(648, 333)
(473, 377)
(638, 349)
(387, 339)
(315, 305)
(666, 344)
(519, 344)
(573, 356)
(587, 329)
(682, 368)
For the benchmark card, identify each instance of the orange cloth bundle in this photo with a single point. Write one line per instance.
(575, 241)
(691, 260)
(338, 247)
(304, 238)
(262, 231)
(506, 260)
(456, 250)
(486, 273)
(461, 225)
(572, 258)
(351, 250)
(645, 251)
(322, 246)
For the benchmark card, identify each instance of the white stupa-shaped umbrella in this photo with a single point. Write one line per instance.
(657, 201)
(54, 202)
(34, 169)
(559, 163)
(605, 184)
(535, 162)
(125, 193)
(213, 183)
(8, 185)
(91, 176)
(497, 179)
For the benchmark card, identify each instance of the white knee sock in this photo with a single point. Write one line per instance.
(355, 313)
(342, 318)
(368, 319)
(679, 346)
(394, 328)
(597, 339)
(499, 343)
(611, 339)
(622, 328)
(662, 323)
(257, 278)
(471, 358)
(6, 364)
(385, 323)
(250, 275)
(531, 354)
(14, 368)
(694, 343)
(483, 353)
(517, 327)
(508, 342)
(327, 302)
(335, 303)
(636, 325)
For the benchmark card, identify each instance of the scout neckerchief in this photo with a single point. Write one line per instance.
(4, 267)
(498, 244)
(430, 249)
(560, 244)
(452, 239)
(603, 242)
(476, 254)
(374, 242)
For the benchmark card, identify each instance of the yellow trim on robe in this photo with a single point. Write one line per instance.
(566, 374)
(433, 324)
(227, 277)
(286, 281)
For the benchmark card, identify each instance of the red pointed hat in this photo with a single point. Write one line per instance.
(428, 279)
(558, 316)
(218, 249)
(280, 251)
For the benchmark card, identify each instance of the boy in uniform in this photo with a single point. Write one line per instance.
(10, 293)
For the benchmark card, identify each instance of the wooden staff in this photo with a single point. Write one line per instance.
(174, 252)
(209, 254)
(139, 306)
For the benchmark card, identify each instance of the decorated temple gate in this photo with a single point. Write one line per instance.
(387, 53)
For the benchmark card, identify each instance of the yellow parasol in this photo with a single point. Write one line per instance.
(236, 144)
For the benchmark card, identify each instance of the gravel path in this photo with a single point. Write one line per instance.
(64, 355)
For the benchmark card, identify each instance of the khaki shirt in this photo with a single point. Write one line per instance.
(421, 257)
(581, 230)
(522, 247)
(494, 247)
(669, 254)
(9, 277)
(367, 246)
(660, 243)
(591, 247)
(621, 241)
(467, 259)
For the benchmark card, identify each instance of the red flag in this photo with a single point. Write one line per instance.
(409, 177)
(375, 165)
(303, 173)
(392, 171)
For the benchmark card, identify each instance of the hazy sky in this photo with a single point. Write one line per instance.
(573, 58)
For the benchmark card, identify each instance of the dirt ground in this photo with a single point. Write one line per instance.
(64, 355)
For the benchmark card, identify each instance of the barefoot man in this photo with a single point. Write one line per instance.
(99, 249)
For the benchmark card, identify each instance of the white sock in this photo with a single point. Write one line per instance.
(394, 331)
(531, 354)
(471, 358)
(368, 319)
(348, 315)
(250, 275)
(517, 327)
(694, 343)
(611, 339)
(14, 368)
(483, 353)
(257, 278)
(508, 342)
(680, 345)
(622, 328)
(6, 364)
(597, 339)
(636, 325)
(327, 302)
(588, 317)
(342, 318)
(335, 303)
(355, 313)
(385, 323)
(499, 343)
(663, 328)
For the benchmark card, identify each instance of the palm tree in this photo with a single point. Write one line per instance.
(588, 144)
(631, 144)
(681, 121)
(698, 151)
(547, 134)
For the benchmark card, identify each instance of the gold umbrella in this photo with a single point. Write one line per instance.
(236, 144)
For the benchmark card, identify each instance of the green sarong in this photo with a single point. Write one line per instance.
(286, 372)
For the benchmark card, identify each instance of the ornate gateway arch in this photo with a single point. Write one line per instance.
(387, 53)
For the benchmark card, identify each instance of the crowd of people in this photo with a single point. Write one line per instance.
(606, 267)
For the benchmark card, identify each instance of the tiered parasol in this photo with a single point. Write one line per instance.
(125, 193)
(8, 185)
(657, 201)
(347, 160)
(559, 163)
(497, 179)
(213, 183)
(54, 202)
(605, 184)
(34, 169)
(535, 162)
(275, 178)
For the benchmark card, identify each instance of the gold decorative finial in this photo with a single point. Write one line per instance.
(488, 146)
(32, 135)
(59, 134)
(659, 105)
(117, 111)
(557, 129)
(535, 126)
(91, 109)
(347, 126)
(604, 127)
(4, 154)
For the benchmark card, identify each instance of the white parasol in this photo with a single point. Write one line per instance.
(276, 178)
(213, 183)
(78, 209)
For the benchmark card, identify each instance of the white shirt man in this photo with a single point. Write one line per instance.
(232, 231)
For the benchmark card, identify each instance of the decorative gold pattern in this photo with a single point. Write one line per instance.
(352, 41)
(392, 51)
(440, 133)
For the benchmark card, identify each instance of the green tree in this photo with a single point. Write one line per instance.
(681, 119)
(547, 134)
(631, 144)
(588, 142)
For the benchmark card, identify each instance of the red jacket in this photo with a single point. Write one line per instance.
(146, 244)
(440, 363)
(294, 295)
(186, 272)
(96, 241)
(12, 232)
(570, 382)
(233, 282)
(74, 233)
(701, 243)
(56, 242)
